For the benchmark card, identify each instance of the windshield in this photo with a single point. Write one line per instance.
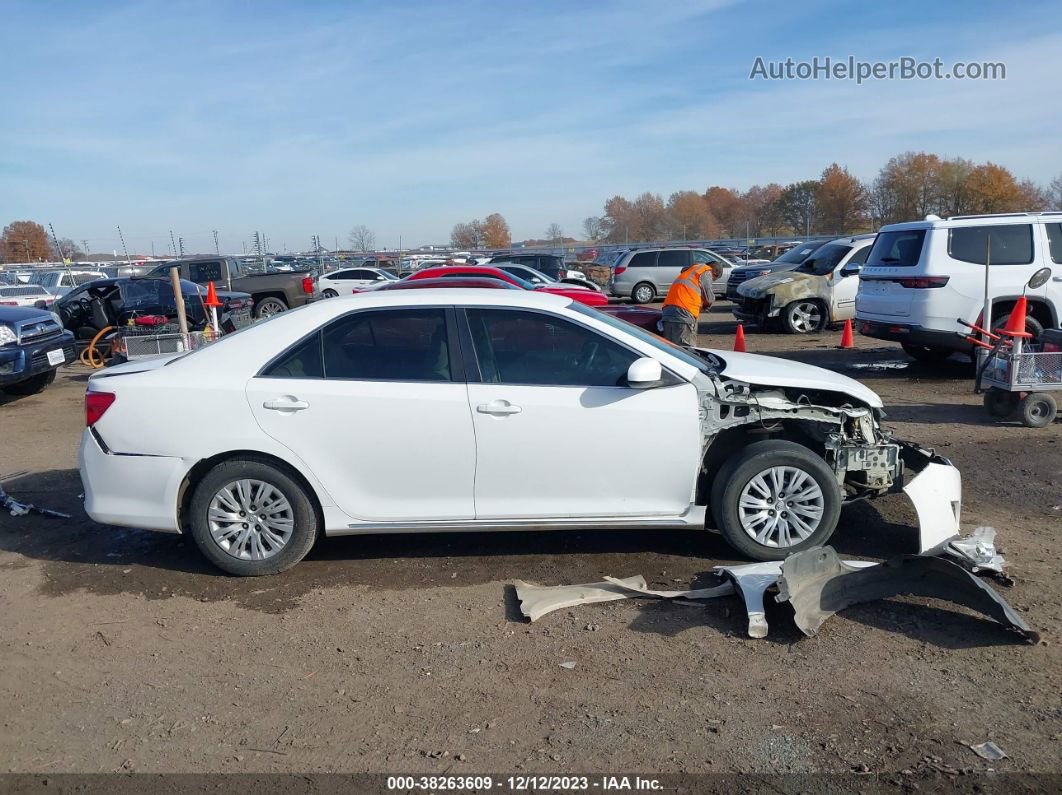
(799, 253)
(825, 259)
(689, 357)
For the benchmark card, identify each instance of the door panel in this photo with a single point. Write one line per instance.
(569, 451)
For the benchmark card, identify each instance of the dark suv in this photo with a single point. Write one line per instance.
(33, 345)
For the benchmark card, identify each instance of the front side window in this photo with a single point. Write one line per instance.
(1054, 241)
(901, 249)
(390, 345)
(860, 256)
(1010, 244)
(518, 347)
(825, 259)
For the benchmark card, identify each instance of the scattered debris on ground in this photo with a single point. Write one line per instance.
(988, 750)
(15, 508)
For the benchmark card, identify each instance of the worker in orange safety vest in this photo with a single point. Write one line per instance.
(689, 294)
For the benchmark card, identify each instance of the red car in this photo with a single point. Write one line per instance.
(642, 316)
(580, 294)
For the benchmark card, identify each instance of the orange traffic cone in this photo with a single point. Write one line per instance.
(739, 339)
(212, 296)
(846, 336)
(1016, 322)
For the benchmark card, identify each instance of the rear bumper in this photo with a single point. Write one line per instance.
(25, 361)
(915, 335)
(130, 490)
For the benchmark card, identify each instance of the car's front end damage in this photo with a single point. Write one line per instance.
(762, 299)
(755, 397)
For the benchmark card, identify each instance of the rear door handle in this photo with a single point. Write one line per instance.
(498, 408)
(287, 404)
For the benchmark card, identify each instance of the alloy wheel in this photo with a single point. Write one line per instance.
(250, 519)
(805, 316)
(780, 506)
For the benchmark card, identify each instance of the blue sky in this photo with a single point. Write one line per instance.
(304, 118)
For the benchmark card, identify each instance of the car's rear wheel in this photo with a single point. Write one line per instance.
(268, 307)
(329, 293)
(923, 354)
(775, 498)
(643, 293)
(251, 518)
(31, 386)
(804, 317)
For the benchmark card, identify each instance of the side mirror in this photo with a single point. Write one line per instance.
(852, 269)
(1039, 279)
(644, 373)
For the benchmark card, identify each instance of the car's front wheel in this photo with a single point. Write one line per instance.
(804, 317)
(329, 293)
(250, 518)
(775, 498)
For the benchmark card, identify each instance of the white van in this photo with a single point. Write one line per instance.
(921, 277)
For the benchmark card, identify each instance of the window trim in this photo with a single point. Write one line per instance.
(457, 362)
(476, 376)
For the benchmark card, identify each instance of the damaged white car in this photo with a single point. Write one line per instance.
(444, 410)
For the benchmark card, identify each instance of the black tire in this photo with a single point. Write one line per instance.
(305, 523)
(329, 293)
(923, 354)
(643, 293)
(1032, 325)
(1038, 409)
(755, 459)
(269, 306)
(804, 316)
(33, 385)
(1000, 403)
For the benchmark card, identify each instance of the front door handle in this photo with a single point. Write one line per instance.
(287, 404)
(498, 408)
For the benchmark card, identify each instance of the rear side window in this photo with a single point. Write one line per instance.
(674, 259)
(205, 271)
(1011, 244)
(1054, 241)
(647, 259)
(302, 361)
(392, 345)
(897, 249)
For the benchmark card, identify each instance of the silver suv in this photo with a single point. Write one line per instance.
(645, 274)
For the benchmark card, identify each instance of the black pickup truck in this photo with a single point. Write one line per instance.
(33, 345)
(273, 292)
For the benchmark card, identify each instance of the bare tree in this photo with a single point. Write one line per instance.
(554, 232)
(362, 238)
(467, 235)
(1054, 191)
(594, 228)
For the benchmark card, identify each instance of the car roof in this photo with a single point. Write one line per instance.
(450, 284)
(997, 219)
(472, 296)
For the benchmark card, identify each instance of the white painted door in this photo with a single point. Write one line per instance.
(369, 406)
(845, 288)
(559, 435)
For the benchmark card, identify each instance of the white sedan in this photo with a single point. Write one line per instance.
(25, 295)
(350, 280)
(467, 402)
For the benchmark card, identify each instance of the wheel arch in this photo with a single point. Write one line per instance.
(1039, 309)
(203, 466)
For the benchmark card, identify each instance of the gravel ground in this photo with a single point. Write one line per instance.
(123, 651)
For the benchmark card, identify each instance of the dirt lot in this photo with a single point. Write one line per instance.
(122, 650)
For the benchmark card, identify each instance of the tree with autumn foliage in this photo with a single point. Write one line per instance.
(496, 232)
(24, 241)
(690, 218)
(841, 201)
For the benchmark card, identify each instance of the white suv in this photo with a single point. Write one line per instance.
(922, 277)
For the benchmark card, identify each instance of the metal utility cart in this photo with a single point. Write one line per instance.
(1016, 375)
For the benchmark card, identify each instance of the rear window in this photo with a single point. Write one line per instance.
(22, 292)
(1011, 244)
(900, 249)
(647, 259)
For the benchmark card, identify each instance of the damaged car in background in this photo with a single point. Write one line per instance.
(476, 395)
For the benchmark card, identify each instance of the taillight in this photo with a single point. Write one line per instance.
(923, 282)
(8, 303)
(307, 285)
(620, 269)
(96, 405)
